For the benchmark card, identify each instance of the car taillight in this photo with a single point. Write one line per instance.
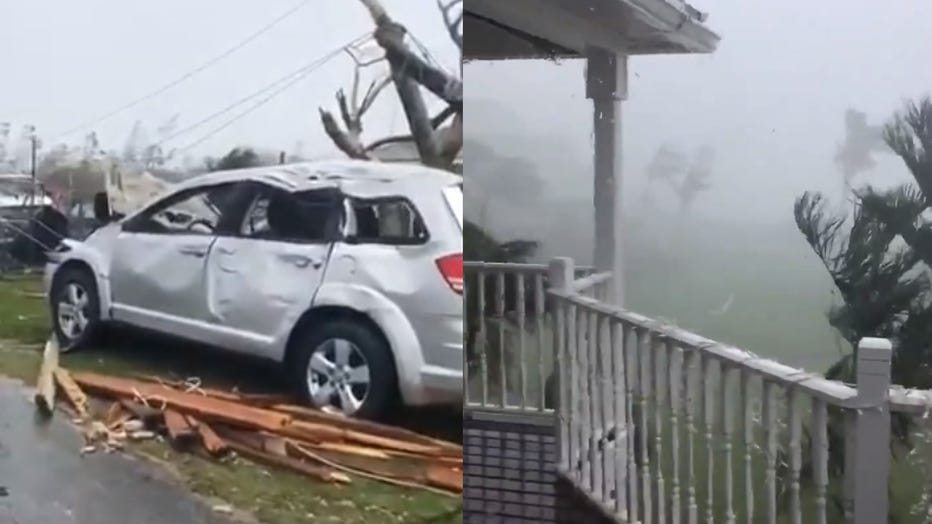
(451, 267)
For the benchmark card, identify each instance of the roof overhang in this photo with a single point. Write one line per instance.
(528, 29)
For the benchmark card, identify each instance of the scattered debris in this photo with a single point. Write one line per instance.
(72, 391)
(264, 428)
(223, 508)
(45, 384)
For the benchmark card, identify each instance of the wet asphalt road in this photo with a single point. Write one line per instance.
(44, 479)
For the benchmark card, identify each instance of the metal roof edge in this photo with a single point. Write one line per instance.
(689, 30)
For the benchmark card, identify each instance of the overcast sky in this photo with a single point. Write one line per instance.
(66, 62)
(770, 101)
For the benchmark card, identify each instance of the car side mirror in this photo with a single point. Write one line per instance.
(102, 207)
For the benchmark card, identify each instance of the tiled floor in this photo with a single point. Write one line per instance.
(509, 476)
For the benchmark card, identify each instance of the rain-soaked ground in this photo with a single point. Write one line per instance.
(45, 480)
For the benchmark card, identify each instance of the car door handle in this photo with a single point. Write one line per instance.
(226, 251)
(302, 261)
(194, 251)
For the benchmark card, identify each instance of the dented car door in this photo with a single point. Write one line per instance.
(262, 278)
(159, 260)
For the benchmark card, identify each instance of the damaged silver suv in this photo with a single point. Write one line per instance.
(348, 273)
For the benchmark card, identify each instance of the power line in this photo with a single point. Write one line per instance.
(300, 71)
(293, 79)
(243, 43)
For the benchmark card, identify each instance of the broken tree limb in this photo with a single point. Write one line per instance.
(452, 22)
(72, 391)
(45, 383)
(341, 139)
(390, 37)
(435, 122)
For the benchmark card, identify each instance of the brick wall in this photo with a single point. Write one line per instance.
(509, 477)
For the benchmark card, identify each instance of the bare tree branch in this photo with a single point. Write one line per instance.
(436, 146)
(345, 141)
(390, 36)
(435, 122)
(372, 93)
(454, 22)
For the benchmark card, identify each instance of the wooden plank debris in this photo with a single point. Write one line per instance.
(179, 430)
(45, 383)
(209, 438)
(205, 408)
(72, 391)
(260, 427)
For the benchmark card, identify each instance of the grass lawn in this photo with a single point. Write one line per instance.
(272, 496)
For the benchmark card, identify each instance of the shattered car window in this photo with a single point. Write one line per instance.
(278, 215)
(390, 220)
(199, 213)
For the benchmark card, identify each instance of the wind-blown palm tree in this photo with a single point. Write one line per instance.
(879, 259)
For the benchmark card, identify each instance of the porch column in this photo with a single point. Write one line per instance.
(607, 86)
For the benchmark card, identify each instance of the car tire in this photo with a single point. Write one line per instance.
(75, 307)
(320, 343)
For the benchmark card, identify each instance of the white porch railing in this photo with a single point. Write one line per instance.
(510, 341)
(656, 424)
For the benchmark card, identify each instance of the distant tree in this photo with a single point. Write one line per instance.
(667, 166)
(696, 179)
(237, 158)
(855, 154)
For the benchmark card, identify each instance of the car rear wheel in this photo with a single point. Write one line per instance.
(75, 307)
(344, 367)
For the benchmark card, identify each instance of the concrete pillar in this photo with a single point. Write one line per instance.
(607, 86)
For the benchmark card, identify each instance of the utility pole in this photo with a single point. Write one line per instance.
(34, 146)
(281, 157)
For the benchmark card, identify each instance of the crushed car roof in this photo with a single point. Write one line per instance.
(350, 176)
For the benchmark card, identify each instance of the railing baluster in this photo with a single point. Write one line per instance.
(675, 380)
(585, 436)
(644, 355)
(572, 393)
(748, 441)
(609, 434)
(770, 429)
(820, 457)
(540, 313)
(522, 336)
(595, 403)
(631, 341)
(659, 353)
(708, 412)
(727, 421)
(795, 454)
(500, 319)
(561, 347)
(692, 429)
(481, 341)
(619, 403)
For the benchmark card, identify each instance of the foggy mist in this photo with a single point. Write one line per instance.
(792, 100)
